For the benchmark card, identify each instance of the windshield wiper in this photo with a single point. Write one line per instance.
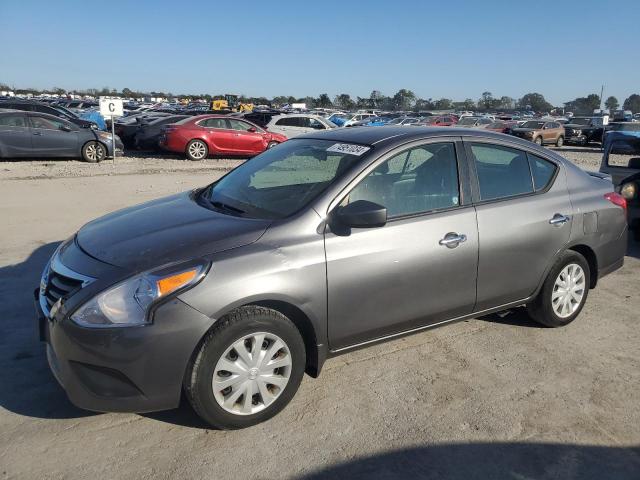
(224, 206)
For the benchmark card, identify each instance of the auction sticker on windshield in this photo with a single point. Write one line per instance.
(348, 148)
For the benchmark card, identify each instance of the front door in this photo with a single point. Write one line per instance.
(524, 219)
(245, 141)
(53, 137)
(408, 273)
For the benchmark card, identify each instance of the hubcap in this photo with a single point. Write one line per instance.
(197, 149)
(568, 290)
(252, 373)
(92, 152)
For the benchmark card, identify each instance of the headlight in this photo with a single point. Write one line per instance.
(629, 190)
(127, 303)
(577, 133)
(104, 135)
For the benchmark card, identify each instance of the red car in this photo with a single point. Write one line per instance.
(502, 126)
(204, 135)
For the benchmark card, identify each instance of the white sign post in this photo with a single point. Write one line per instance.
(111, 107)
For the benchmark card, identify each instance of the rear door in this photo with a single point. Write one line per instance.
(52, 136)
(219, 136)
(524, 219)
(15, 135)
(401, 276)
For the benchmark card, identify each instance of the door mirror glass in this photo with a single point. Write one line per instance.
(362, 214)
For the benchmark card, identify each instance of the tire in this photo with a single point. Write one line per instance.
(560, 141)
(196, 150)
(538, 140)
(272, 144)
(227, 408)
(94, 152)
(542, 309)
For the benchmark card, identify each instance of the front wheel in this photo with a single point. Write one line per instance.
(564, 292)
(197, 150)
(538, 140)
(247, 368)
(271, 145)
(560, 141)
(94, 152)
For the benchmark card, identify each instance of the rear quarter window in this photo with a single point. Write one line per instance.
(542, 171)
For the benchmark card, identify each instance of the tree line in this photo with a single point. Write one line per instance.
(402, 100)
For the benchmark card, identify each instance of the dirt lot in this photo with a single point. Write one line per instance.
(487, 398)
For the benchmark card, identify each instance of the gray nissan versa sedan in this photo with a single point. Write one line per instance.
(325, 243)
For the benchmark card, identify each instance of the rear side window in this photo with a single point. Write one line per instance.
(215, 123)
(542, 171)
(502, 172)
(12, 121)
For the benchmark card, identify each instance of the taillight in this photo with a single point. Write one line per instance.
(616, 199)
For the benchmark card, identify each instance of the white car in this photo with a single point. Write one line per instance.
(298, 123)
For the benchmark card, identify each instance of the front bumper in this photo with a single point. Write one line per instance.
(576, 139)
(130, 369)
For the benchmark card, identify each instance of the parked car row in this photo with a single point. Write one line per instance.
(34, 134)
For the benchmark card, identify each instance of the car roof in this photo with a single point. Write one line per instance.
(391, 135)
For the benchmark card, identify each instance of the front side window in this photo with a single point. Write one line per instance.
(280, 181)
(418, 180)
(502, 171)
(238, 125)
(47, 123)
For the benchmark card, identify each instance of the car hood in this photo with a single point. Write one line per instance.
(163, 231)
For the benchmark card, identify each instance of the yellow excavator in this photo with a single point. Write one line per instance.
(230, 104)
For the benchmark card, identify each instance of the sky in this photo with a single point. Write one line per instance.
(446, 48)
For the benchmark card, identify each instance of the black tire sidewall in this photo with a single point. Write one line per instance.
(213, 349)
(544, 312)
(188, 155)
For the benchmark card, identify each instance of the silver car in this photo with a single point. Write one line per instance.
(295, 124)
(326, 243)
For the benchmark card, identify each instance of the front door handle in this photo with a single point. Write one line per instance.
(559, 219)
(37, 133)
(452, 240)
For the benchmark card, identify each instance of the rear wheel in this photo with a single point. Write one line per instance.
(538, 140)
(560, 141)
(247, 369)
(196, 150)
(564, 292)
(94, 152)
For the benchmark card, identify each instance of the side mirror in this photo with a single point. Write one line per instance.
(65, 128)
(252, 130)
(362, 214)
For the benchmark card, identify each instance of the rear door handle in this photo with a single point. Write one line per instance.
(37, 133)
(452, 240)
(559, 219)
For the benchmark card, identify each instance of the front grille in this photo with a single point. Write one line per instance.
(59, 286)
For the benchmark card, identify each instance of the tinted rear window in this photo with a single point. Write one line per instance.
(502, 172)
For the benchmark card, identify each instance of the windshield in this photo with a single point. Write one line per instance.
(282, 180)
(468, 121)
(534, 125)
(66, 113)
(580, 121)
(624, 153)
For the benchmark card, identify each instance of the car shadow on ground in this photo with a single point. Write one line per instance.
(469, 461)
(26, 384)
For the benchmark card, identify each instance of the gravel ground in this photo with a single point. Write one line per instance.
(486, 398)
